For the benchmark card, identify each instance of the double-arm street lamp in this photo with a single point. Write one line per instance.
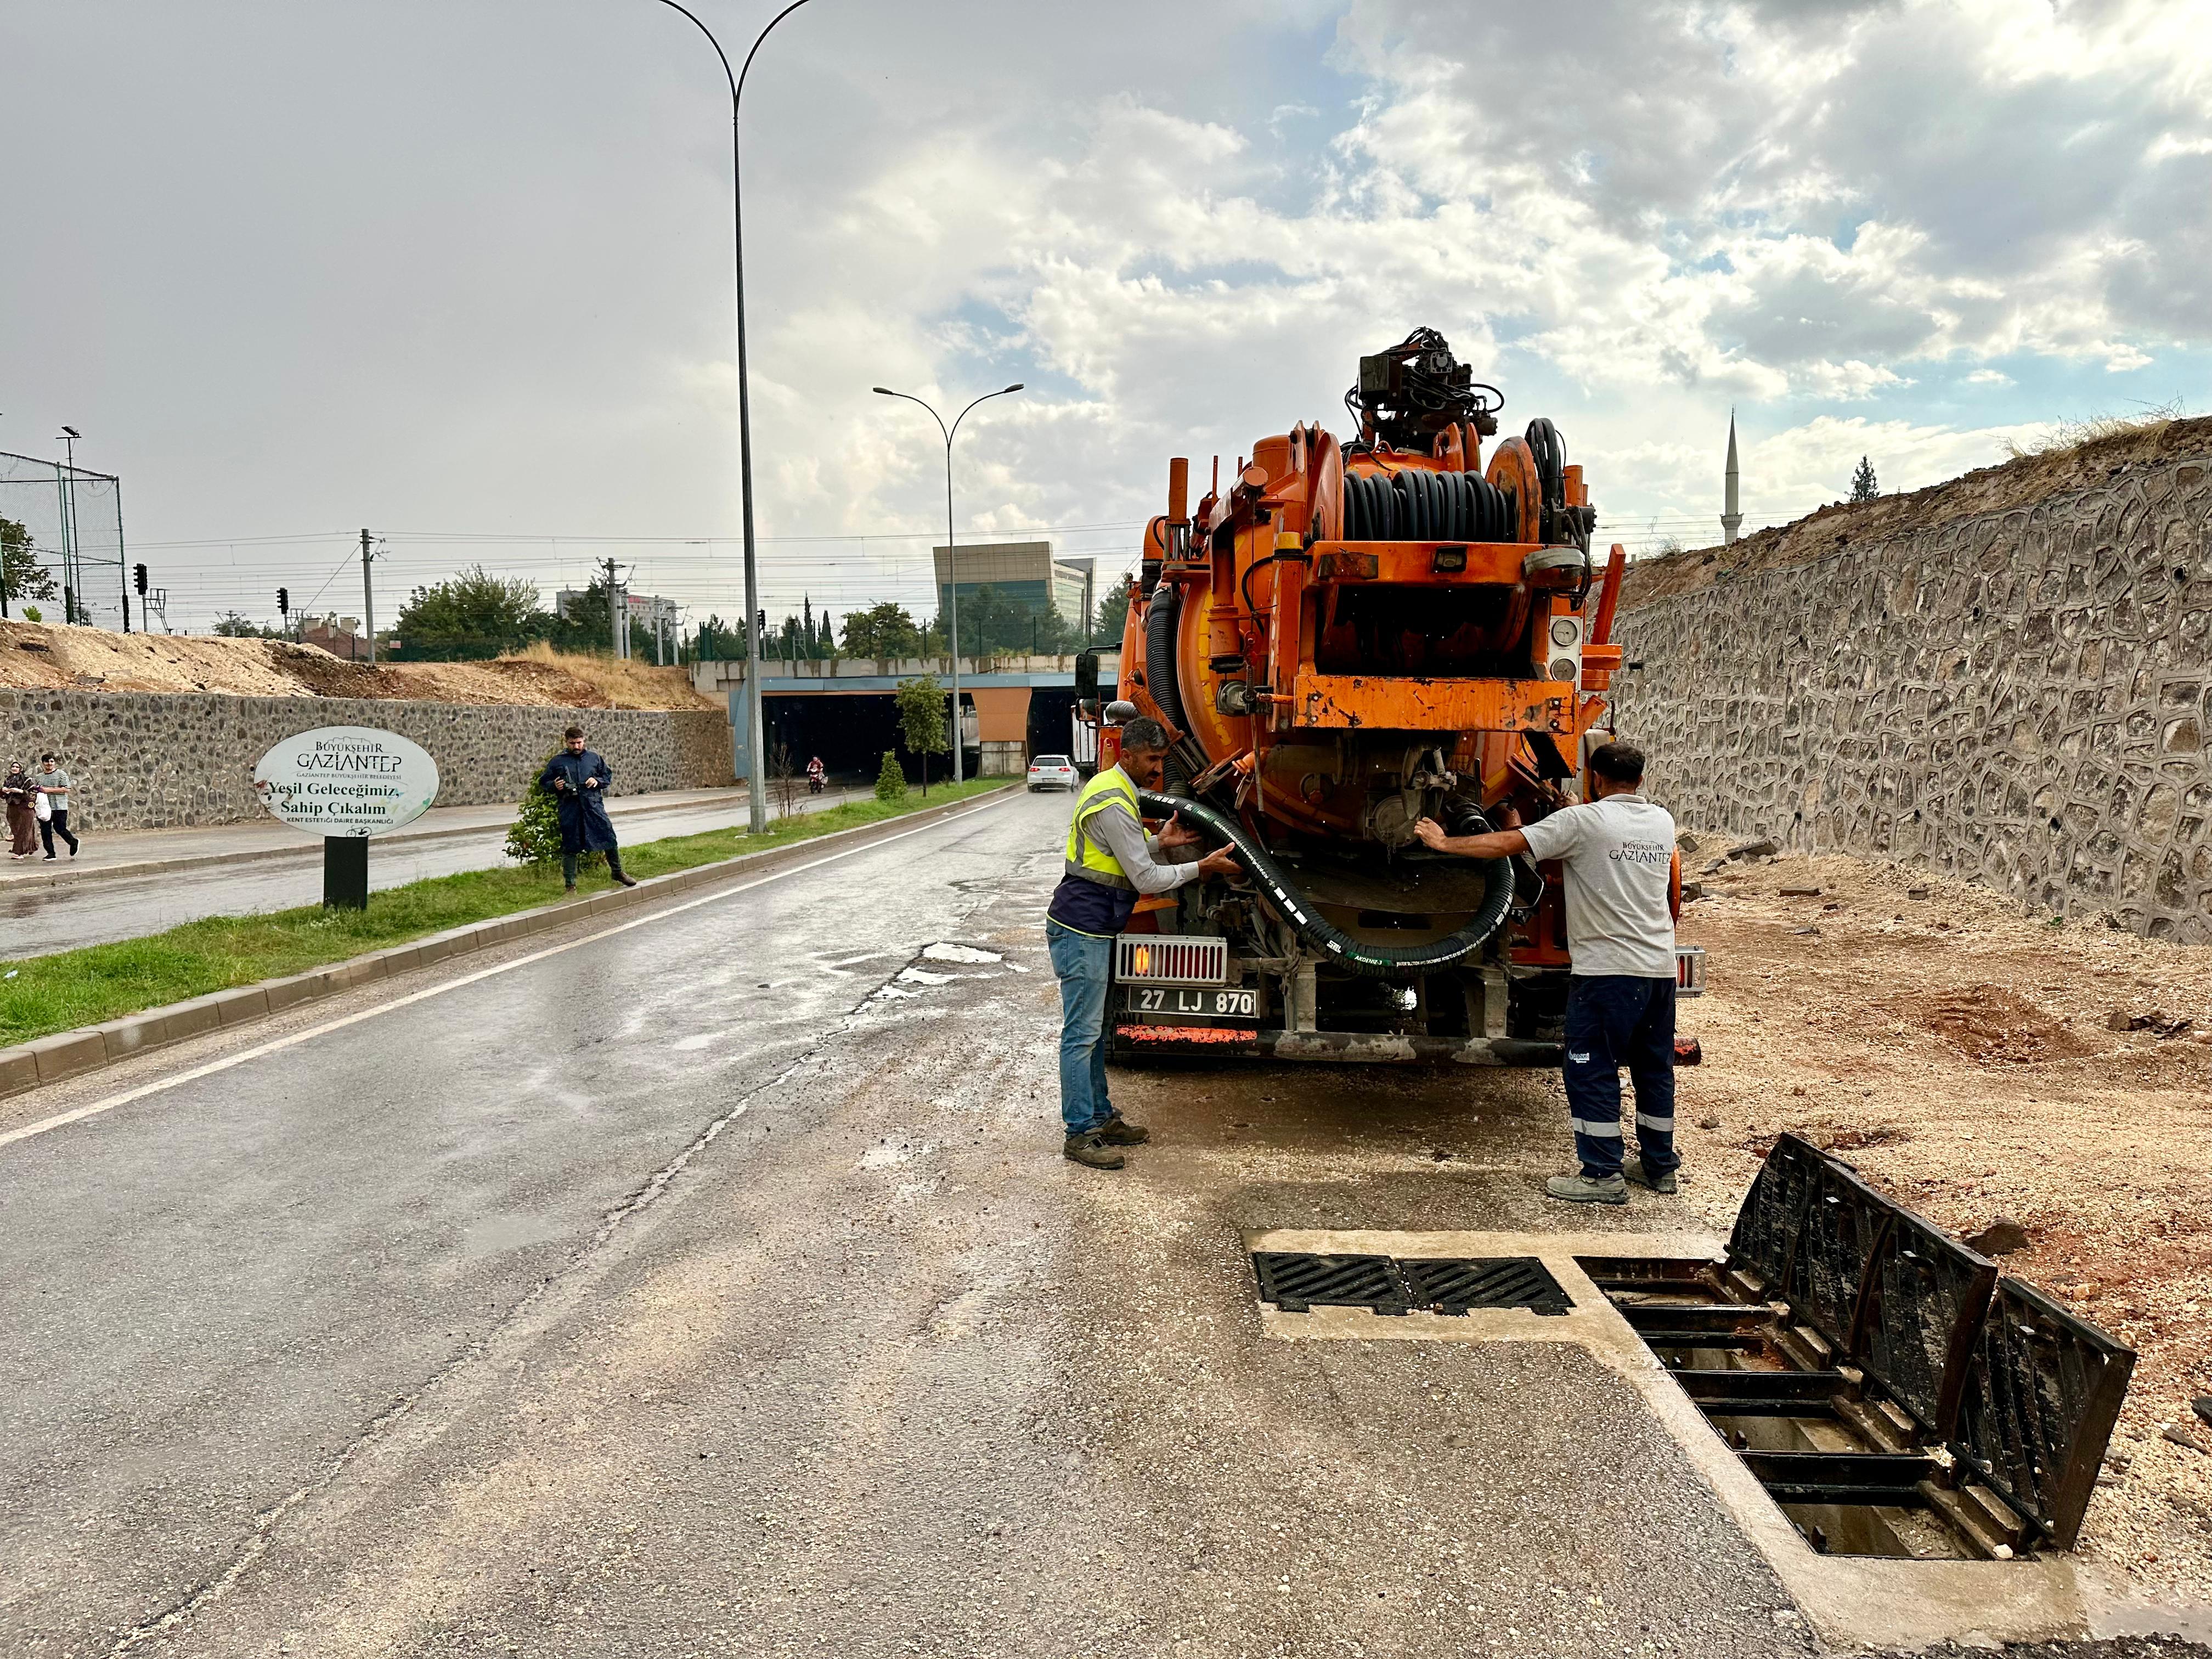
(755, 749)
(951, 558)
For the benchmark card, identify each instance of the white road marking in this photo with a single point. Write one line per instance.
(96, 1108)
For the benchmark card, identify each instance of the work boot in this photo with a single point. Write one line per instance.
(627, 881)
(1631, 1168)
(1090, 1148)
(1584, 1189)
(1118, 1131)
(570, 890)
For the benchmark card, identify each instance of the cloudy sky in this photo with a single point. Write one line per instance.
(458, 270)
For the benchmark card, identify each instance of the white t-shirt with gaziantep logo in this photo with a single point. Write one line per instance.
(1617, 854)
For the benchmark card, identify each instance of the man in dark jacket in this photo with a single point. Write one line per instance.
(578, 780)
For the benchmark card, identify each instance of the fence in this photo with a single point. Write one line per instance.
(73, 570)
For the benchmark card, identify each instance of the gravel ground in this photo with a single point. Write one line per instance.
(1961, 1055)
(2123, 1647)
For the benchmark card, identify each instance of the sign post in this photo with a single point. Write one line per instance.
(346, 783)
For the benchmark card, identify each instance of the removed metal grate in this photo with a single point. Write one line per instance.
(1297, 1283)
(1845, 1346)
(2043, 1390)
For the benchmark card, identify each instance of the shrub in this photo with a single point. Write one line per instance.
(890, 783)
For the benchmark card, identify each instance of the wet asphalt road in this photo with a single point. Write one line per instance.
(715, 1286)
(38, 921)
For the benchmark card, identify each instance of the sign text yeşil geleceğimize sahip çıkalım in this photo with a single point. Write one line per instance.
(347, 781)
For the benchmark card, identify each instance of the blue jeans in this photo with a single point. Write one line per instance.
(1615, 1020)
(1085, 969)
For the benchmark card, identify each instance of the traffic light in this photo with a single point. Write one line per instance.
(283, 602)
(760, 622)
(138, 577)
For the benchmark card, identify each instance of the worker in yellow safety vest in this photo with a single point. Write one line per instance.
(1109, 860)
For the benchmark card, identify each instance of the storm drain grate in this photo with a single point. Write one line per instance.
(1297, 1283)
(1450, 1286)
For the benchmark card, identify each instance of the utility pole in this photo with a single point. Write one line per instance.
(614, 611)
(71, 586)
(368, 597)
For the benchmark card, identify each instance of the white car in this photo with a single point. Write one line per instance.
(1053, 772)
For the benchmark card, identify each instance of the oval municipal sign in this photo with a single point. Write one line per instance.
(347, 781)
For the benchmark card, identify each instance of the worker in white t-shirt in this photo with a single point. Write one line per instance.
(1623, 893)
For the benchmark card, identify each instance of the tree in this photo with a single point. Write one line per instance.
(1113, 613)
(826, 647)
(21, 576)
(783, 777)
(890, 783)
(1862, 484)
(720, 641)
(474, 609)
(233, 626)
(884, 631)
(921, 720)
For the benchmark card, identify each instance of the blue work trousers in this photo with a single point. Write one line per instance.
(1084, 965)
(1615, 1020)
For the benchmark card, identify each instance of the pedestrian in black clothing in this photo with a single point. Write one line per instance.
(579, 779)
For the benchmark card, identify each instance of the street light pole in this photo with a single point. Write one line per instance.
(951, 546)
(755, 752)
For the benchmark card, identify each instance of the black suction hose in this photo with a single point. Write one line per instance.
(1371, 961)
(1159, 653)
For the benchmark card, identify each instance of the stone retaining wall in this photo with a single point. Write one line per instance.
(145, 761)
(2021, 698)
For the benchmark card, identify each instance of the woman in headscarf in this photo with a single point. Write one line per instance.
(22, 811)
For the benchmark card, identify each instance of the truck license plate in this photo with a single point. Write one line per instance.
(1183, 1003)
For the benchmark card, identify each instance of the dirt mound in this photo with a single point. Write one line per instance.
(2021, 482)
(1993, 1026)
(39, 657)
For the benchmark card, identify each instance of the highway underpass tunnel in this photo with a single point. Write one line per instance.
(850, 730)
(1051, 721)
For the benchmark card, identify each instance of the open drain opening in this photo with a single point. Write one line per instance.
(1891, 1394)
(1297, 1283)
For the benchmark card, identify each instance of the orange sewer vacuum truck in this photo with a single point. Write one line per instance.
(1348, 637)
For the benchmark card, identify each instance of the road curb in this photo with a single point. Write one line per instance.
(70, 874)
(88, 1048)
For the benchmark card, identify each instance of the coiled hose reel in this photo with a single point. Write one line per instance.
(1356, 955)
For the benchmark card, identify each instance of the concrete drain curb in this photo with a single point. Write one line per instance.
(88, 1048)
(1851, 1600)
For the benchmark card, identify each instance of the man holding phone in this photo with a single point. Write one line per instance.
(579, 780)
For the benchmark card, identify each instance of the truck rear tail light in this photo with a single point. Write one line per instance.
(1689, 970)
(1164, 959)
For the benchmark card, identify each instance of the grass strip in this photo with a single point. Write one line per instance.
(41, 995)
